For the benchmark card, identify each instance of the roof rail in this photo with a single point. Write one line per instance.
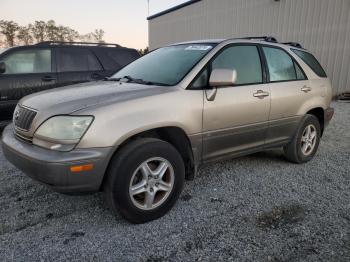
(272, 40)
(264, 38)
(75, 43)
(294, 44)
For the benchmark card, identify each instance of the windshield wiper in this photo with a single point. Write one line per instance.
(130, 79)
(111, 79)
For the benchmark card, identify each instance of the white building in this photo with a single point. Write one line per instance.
(321, 26)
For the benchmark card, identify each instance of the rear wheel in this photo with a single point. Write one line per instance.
(305, 142)
(144, 180)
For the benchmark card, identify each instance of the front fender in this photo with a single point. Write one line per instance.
(115, 123)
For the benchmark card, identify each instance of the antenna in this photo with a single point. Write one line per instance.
(147, 7)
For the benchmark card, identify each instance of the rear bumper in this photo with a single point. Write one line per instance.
(52, 168)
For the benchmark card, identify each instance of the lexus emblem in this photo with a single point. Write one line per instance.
(16, 115)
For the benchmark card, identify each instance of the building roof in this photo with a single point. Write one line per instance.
(173, 9)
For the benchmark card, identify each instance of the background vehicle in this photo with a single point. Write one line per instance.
(138, 135)
(28, 69)
(344, 96)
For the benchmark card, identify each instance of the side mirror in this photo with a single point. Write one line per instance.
(222, 77)
(2, 67)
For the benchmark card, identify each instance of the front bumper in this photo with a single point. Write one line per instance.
(52, 168)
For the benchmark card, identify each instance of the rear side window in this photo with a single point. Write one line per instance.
(28, 62)
(311, 61)
(280, 65)
(244, 59)
(74, 59)
(112, 60)
(122, 57)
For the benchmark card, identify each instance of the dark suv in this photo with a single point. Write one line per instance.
(28, 69)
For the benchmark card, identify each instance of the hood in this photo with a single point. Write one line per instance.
(66, 100)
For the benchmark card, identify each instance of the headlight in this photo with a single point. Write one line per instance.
(62, 133)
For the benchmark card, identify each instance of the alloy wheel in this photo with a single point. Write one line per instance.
(308, 139)
(151, 183)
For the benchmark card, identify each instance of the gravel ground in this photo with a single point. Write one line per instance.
(255, 208)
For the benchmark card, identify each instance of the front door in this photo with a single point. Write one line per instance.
(236, 120)
(27, 71)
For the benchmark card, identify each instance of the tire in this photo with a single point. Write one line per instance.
(127, 171)
(294, 150)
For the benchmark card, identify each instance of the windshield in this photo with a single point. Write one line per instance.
(166, 66)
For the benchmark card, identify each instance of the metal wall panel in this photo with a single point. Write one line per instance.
(321, 26)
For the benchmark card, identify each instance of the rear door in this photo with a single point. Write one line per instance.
(290, 89)
(28, 70)
(77, 65)
(236, 121)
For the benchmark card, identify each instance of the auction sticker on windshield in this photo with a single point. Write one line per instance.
(199, 47)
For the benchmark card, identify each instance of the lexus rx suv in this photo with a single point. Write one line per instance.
(139, 134)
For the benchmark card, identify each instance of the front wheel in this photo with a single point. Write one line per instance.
(304, 144)
(144, 180)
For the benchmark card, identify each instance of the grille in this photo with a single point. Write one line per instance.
(23, 118)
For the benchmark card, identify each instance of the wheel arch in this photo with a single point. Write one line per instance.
(318, 112)
(176, 136)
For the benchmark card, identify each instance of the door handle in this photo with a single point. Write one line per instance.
(48, 78)
(261, 94)
(306, 89)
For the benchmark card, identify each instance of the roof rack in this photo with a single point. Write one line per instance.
(272, 40)
(75, 43)
(294, 44)
(264, 38)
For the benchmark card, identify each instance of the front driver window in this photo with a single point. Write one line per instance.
(244, 59)
(28, 61)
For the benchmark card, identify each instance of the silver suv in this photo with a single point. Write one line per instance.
(139, 134)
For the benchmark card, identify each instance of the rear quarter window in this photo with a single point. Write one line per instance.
(311, 61)
(122, 57)
(115, 58)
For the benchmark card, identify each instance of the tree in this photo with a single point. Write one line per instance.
(2, 41)
(65, 33)
(61, 33)
(144, 51)
(51, 30)
(9, 29)
(39, 31)
(98, 35)
(86, 38)
(72, 34)
(24, 34)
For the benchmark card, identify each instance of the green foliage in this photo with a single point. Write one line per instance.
(24, 34)
(98, 35)
(43, 31)
(9, 29)
(143, 51)
(51, 30)
(39, 30)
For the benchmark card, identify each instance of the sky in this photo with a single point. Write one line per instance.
(124, 21)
